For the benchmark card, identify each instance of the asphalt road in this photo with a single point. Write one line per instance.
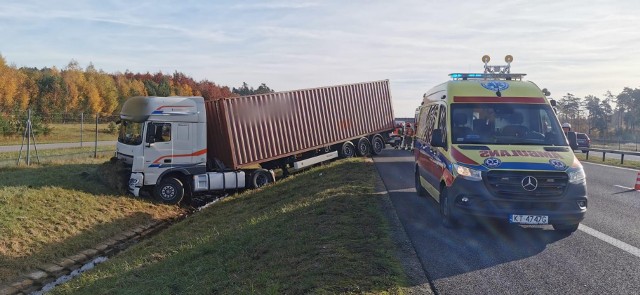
(49, 146)
(602, 257)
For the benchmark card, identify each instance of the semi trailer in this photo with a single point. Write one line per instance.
(187, 146)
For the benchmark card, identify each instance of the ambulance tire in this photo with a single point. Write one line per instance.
(422, 192)
(377, 144)
(348, 150)
(445, 210)
(566, 228)
(169, 191)
(364, 147)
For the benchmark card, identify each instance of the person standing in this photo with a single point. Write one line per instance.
(407, 142)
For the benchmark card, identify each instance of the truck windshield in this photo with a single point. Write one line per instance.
(130, 133)
(500, 123)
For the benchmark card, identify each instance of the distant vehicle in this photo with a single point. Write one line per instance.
(185, 146)
(584, 142)
(489, 145)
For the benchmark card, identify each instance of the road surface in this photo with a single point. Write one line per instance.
(602, 257)
(49, 146)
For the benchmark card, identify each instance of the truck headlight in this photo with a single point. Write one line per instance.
(576, 175)
(467, 173)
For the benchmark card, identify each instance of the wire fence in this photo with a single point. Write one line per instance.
(25, 136)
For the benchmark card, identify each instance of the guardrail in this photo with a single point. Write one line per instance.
(605, 151)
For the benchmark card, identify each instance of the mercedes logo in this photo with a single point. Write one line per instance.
(529, 183)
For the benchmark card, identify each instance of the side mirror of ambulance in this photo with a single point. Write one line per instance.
(573, 140)
(436, 138)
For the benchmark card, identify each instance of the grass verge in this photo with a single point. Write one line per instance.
(48, 153)
(69, 132)
(597, 158)
(321, 231)
(55, 210)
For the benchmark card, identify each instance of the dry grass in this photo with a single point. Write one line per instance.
(55, 210)
(321, 231)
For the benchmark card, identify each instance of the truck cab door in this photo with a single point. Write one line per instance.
(158, 150)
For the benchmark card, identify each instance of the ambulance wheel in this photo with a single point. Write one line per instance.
(422, 192)
(260, 178)
(377, 145)
(348, 150)
(364, 147)
(566, 228)
(169, 191)
(445, 210)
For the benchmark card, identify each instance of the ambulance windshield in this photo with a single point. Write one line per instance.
(501, 123)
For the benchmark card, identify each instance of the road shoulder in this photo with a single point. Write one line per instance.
(404, 250)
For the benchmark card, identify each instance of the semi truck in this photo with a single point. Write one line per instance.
(186, 146)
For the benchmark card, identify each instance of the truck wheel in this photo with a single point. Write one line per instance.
(422, 192)
(364, 147)
(377, 145)
(566, 228)
(445, 210)
(347, 150)
(260, 178)
(169, 191)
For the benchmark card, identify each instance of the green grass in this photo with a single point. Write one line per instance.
(66, 133)
(56, 152)
(595, 157)
(321, 231)
(52, 211)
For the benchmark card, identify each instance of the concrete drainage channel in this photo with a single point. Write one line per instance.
(47, 276)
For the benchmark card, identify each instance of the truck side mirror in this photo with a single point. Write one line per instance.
(436, 139)
(573, 140)
(553, 102)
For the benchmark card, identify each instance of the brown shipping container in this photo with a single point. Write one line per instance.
(246, 130)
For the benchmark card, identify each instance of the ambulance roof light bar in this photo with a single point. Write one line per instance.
(502, 72)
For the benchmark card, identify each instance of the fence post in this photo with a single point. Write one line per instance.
(621, 158)
(95, 149)
(81, 128)
(28, 132)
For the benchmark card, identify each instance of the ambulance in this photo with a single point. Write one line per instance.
(489, 146)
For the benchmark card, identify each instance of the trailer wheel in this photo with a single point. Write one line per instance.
(377, 145)
(364, 147)
(260, 178)
(169, 191)
(348, 150)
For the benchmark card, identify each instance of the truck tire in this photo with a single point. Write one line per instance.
(260, 178)
(377, 145)
(169, 191)
(347, 150)
(364, 147)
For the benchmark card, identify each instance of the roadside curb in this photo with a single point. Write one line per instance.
(404, 249)
(34, 280)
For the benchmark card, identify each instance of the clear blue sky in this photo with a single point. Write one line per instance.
(582, 47)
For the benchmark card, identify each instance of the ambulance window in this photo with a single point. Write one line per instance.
(443, 122)
(432, 121)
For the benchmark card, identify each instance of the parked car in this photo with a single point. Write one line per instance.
(584, 142)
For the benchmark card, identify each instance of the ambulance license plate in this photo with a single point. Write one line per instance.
(528, 219)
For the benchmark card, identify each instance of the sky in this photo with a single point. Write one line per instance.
(580, 47)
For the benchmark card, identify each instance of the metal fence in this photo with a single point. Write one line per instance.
(25, 136)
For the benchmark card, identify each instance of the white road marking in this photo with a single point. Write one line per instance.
(611, 240)
(404, 190)
(603, 165)
(623, 187)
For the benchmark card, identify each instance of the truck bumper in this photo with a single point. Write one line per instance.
(135, 183)
(473, 199)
